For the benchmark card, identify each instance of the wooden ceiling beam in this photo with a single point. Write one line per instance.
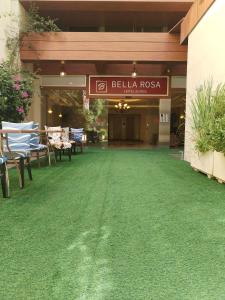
(194, 15)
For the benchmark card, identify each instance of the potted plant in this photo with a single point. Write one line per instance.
(218, 134)
(202, 114)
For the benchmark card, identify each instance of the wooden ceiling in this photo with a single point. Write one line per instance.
(122, 13)
(114, 21)
(111, 5)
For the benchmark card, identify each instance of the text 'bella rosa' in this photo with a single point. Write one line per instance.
(153, 84)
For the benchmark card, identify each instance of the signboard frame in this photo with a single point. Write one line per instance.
(144, 95)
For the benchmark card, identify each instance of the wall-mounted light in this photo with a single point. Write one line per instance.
(60, 115)
(50, 111)
(167, 70)
(182, 116)
(134, 73)
(62, 71)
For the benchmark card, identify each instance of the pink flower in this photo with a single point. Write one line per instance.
(20, 109)
(16, 86)
(25, 94)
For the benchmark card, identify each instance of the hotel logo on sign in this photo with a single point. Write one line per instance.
(101, 86)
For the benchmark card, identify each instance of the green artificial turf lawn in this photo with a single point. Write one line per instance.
(114, 224)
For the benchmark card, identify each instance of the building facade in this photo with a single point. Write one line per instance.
(179, 40)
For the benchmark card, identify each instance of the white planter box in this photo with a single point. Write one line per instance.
(203, 162)
(219, 166)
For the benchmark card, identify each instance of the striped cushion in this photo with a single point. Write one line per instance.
(35, 137)
(35, 140)
(17, 155)
(42, 147)
(18, 142)
(2, 160)
(77, 134)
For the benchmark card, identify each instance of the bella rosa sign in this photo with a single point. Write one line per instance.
(128, 86)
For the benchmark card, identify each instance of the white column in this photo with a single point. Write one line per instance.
(164, 121)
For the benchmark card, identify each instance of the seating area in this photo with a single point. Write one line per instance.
(21, 143)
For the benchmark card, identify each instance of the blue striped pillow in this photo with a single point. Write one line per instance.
(18, 141)
(35, 137)
(77, 134)
(3, 159)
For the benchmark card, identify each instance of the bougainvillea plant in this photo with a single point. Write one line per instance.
(16, 83)
(15, 93)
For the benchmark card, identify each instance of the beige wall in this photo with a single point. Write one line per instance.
(11, 13)
(5, 8)
(206, 60)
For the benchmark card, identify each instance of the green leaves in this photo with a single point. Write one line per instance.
(208, 113)
(16, 94)
(33, 22)
(37, 23)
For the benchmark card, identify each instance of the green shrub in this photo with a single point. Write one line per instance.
(16, 83)
(15, 93)
(217, 132)
(202, 113)
(208, 112)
